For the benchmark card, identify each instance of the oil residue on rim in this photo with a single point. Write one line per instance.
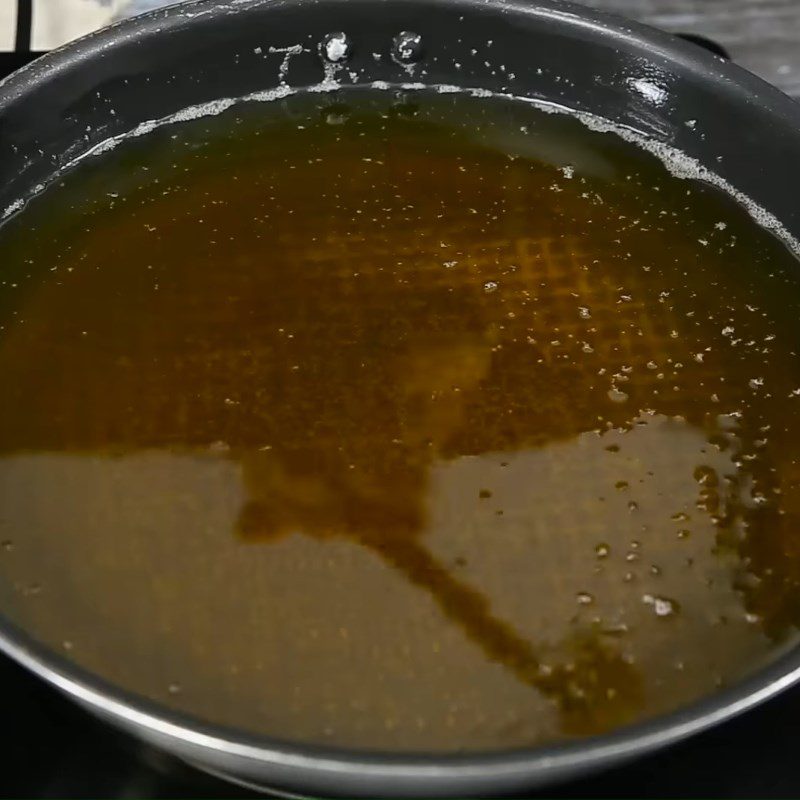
(407, 423)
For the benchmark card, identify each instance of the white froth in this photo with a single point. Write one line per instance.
(211, 109)
(287, 53)
(677, 163)
(650, 90)
(328, 83)
(336, 48)
(15, 206)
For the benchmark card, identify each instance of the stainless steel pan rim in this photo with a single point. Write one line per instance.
(440, 774)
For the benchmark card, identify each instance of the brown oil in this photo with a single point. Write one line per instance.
(424, 422)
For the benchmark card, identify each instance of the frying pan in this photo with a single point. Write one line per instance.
(658, 86)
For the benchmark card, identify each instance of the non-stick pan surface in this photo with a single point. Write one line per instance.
(742, 129)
